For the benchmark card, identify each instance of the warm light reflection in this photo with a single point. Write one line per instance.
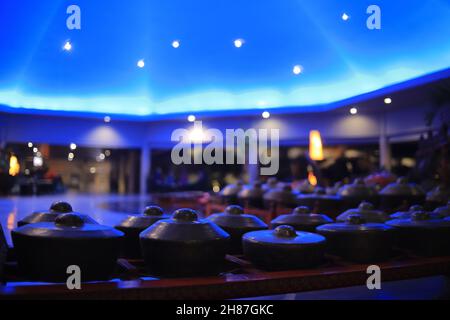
(14, 166)
(312, 179)
(11, 221)
(315, 145)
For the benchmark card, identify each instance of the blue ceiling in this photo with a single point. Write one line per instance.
(340, 59)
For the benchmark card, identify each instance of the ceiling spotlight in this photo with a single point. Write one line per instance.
(35, 149)
(176, 44)
(191, 118)
(238, 43)
(73, 146)
(30, 144)
(67, 46)
(297, 69)
(266, 115)
(70, 156)
(345, 17)
(388, 100)
(197, 135)
(141, 63)
(107, 119)
(353, 111)
(38, 161)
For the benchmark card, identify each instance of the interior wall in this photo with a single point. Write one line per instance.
(62, 130)
(336, 127)
(412, 119)
(97, 182)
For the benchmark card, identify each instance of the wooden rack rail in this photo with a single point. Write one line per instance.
(240, 280)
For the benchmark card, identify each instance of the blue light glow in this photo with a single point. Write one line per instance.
(339, 59)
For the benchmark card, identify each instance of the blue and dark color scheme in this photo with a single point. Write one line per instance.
(340, 58)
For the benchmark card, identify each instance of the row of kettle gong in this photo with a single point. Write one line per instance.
(182, 244)
(395, 196)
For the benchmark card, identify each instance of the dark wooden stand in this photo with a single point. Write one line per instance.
(240, 280)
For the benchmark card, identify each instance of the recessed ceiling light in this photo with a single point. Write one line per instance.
(176, 44)
(345, 16)
(73, 146)
(107, 119)
(38, 161)
(353, 110)
(388, 100)
(297, 69)
(141, 63)
(238, 43)
(35, 150)
(191, 118)
(266, 115)
(197, 135)
(30, 144)
(67, 46)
